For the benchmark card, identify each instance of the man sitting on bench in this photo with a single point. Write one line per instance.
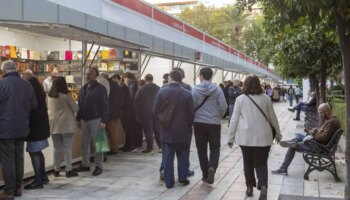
(322, 135)
(305, 106)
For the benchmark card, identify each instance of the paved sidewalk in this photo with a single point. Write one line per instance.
(135, 176)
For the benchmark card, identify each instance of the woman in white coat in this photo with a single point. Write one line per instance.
(252, 132)
(61, 109)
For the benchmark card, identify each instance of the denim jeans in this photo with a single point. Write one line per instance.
(301, 147)
(12, 160)
(290, 99)
(169, 150)
(300, 107)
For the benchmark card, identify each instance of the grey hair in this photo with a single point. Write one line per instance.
(8, 66)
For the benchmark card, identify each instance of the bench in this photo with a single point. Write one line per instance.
(322, 157)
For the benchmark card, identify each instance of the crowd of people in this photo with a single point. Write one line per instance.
(129, 110)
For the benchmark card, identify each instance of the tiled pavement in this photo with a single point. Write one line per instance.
(130, 176)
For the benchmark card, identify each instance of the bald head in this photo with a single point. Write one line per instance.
(313, 94)
(325, 110)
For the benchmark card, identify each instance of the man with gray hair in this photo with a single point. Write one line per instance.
(17, 99)
(311, 105)
(322, 135)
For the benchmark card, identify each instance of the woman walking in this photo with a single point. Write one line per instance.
(62, 124)
(251, 130)
(37, 137)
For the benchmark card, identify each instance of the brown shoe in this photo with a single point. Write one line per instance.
(4, 196)
(18, 191)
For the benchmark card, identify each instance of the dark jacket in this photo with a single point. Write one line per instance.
(144, 100)
(126, 99)
(39, 120)
(184, 85)
(325, 133)
(17, 99)
(312, 103)
(180, 129)
(93, 103)
(233, 93)
(115, 100)
(133, 89)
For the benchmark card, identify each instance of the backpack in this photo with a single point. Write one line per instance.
(290, 91)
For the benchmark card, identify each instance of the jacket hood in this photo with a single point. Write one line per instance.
(206, 88)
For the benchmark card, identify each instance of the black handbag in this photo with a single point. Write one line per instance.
(262, 112)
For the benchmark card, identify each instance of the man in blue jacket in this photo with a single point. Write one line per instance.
(17, 99)
(176, 135)
(210, 106)
(92, 116)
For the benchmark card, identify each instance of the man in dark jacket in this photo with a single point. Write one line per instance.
(176, 137)
(311, 105)
(17, 99)
(143, 105)
(93, 114)
(115, 109)
(233, 92)
(128, 118)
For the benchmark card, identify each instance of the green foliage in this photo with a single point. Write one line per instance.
(339, 110)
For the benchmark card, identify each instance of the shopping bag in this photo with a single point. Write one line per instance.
(101, 143)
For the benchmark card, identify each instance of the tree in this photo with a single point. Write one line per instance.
(338, 11)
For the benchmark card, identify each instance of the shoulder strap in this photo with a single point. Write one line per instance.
(200, 105)
(262, 112)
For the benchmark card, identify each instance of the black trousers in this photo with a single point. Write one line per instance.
(38, 162)
(12, 160)
(128, 120)
(255, 158)
(207, 134)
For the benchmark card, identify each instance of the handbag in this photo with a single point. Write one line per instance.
(262, 112)
(101, 142)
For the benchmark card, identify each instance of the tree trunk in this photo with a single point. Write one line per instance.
(323, 80)
(312, 83)
(317, 90)
(345, 49)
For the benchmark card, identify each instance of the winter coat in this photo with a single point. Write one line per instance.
(17, 99)
(234, 92)
(39, 128)
(248, 127)
(214, 108)
(115, 100)
(61, 114)
(144, 100)
(180, 129)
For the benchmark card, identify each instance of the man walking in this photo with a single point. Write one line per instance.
(143, 105)
(210, 106)
(234, 91)
(17, 99)
(92, 116)
(291, 93)
(175, 102)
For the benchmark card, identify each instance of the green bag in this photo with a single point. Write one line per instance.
(101, 143)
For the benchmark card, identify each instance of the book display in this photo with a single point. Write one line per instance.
(69, 63)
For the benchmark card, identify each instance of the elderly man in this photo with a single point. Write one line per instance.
(17, 99)
(305, 106)
(48, 81)
(322, 135)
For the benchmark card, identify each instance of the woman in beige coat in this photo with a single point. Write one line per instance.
(253, 133)
(61, 109)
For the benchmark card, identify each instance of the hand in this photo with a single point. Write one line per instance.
(79, 124)
(102, 125)
(230, 145)
(277, 139)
